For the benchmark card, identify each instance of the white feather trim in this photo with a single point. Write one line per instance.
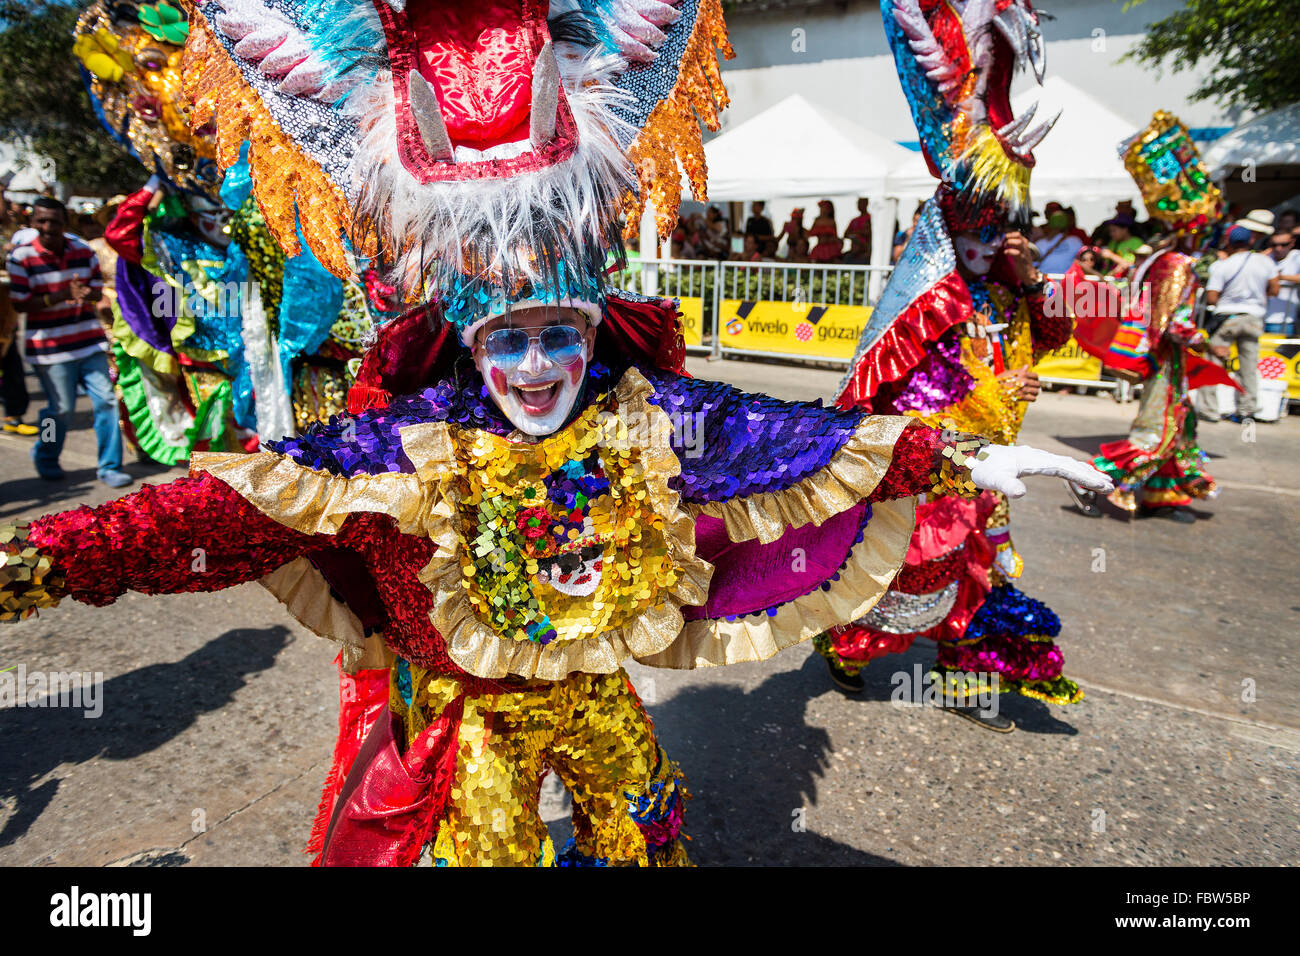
(506, 230)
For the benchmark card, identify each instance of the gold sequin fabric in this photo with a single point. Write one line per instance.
(571, 553)
(591, 731)
(1167, 167)
(286, 181)
(992, 410)
(318, 393)
(28, 580)
(672, 132)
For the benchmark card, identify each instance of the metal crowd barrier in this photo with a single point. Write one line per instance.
(714, 294)
(706, 286)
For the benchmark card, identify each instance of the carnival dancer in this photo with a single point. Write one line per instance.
(953, 341)
(1158, 468)
(528, 491)
(219, 338)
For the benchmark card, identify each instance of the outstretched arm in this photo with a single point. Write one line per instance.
(126, 230)
(932, 459)
(785, 464)
(193, 534)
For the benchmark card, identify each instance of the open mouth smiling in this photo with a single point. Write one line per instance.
(537, 398)
(477, 88)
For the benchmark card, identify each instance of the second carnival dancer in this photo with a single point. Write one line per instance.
(528, 491)
(202, 362)
(1158, 468)
(953, 342)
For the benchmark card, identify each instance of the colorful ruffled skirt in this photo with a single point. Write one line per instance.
(1160, 463)
(951, 591)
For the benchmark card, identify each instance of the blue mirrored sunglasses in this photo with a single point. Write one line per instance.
(507, 348)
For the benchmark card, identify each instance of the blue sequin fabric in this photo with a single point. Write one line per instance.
(730, 443)
(733, 443)
(1009, 612)
(930, 113)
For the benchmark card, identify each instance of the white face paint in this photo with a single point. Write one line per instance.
(537, 395)
(212, 225)
(975, 256)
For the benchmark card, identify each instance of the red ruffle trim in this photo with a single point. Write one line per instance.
(904, 345)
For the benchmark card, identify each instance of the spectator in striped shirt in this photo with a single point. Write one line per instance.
(55, 279)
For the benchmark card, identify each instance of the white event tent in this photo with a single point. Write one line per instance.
(794, 154)
(1258, 163)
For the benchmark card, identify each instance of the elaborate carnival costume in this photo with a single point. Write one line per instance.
(487, 561)
(1159, 465)
(940, 337)
(218, 335)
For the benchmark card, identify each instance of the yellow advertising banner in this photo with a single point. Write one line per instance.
(692, 320)
(792, 328)
(1279, 357)
(1070, 361)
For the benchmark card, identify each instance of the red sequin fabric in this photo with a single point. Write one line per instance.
(1049, 328)
(917, 455)
(198, 534)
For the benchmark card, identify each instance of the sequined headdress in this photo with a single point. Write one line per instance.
(130, 55)
(1167, 167)
(956, 59)
(472, 152)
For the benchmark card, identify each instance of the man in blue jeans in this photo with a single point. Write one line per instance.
(55, 279)
(1237, 294)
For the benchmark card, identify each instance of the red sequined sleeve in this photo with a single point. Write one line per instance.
(1048, 328)
(917, 456)
(193, 534)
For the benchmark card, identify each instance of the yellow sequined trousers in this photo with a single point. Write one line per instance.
(589, 729)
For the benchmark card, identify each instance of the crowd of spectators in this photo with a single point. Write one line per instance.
(1249, 266)
(709, 235)
(1118, 245)
(1113, 249)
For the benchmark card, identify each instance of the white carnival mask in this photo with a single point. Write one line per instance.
(536, 393)
(976, 256)
(212, 226)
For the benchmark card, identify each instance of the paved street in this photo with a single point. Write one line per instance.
(219, 710)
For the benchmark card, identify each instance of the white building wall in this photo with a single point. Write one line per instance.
(842, 62)
(836, 56)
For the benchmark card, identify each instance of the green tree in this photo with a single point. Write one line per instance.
(1250, 47)
(43, 100)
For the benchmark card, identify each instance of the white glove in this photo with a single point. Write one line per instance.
(153, 185)
(1000, 467)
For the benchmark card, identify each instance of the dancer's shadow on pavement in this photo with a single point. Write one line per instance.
(27, 497)
(1031, 716)
(142, 710)
(753, 764)
(1088, 444)
(1113, 512)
